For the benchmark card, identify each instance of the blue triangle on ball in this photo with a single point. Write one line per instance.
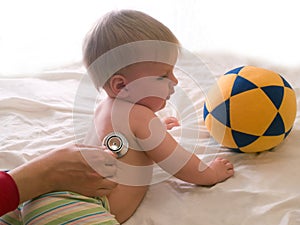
(205, 111)
(287, 133)
(235, 71)
(276, 127)
(221, 113)
(242, 139)
(240, 85)
(236, 150)
(286, 84)
(275, 94)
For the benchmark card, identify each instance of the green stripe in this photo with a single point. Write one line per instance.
(10, 220)
(56, 193)
(104, 220)
(46, 208)
(62, 199)
(75, 215)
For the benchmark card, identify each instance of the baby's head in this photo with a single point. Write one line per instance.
(121, 39)
(117, 28)
(127, 45)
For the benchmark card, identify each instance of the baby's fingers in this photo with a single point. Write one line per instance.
(171, 122)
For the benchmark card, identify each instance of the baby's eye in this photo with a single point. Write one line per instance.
(162, 77)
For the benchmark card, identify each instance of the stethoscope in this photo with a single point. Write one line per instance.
(116, 143)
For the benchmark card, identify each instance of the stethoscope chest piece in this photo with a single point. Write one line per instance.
(117, 143)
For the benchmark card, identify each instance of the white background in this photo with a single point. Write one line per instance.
(36, 35)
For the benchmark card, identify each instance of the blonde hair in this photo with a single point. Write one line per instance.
(117, 28)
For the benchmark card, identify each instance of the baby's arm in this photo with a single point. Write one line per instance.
(173, 158)
(187, 166)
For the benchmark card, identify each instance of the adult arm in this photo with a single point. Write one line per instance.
(62, 169)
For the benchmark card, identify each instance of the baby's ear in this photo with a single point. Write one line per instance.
(118, 86)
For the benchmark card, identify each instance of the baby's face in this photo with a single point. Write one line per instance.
(150, 84)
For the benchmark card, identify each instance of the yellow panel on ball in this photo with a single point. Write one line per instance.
(249, 109)
(226, 83)
(219, 92)
(263, 143)
(288, 108)
(255, 74)
(220, 132)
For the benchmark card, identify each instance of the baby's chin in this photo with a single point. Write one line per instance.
(154, 106)
(163, 105)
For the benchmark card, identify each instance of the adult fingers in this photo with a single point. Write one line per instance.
(99, 160)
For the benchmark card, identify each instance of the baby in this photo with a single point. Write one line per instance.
(140, 82)
(131, 56)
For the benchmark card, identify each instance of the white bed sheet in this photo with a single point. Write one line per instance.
(36, 115)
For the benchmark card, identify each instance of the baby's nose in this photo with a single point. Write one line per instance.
(173, 79)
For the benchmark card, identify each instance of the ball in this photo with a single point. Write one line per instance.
(250, 109)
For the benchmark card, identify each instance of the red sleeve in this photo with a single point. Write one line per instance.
(9, 194)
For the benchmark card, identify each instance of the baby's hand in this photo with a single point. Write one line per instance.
(222, 168)
(171, 122)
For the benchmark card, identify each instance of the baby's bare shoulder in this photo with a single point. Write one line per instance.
(141, 115)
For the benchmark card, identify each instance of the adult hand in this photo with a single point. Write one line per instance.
(68, 169)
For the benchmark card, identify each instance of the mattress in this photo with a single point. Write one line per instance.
(40, 112)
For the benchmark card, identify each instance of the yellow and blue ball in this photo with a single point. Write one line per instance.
(250, 109)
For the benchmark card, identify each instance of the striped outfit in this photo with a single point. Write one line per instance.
(60, 208)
